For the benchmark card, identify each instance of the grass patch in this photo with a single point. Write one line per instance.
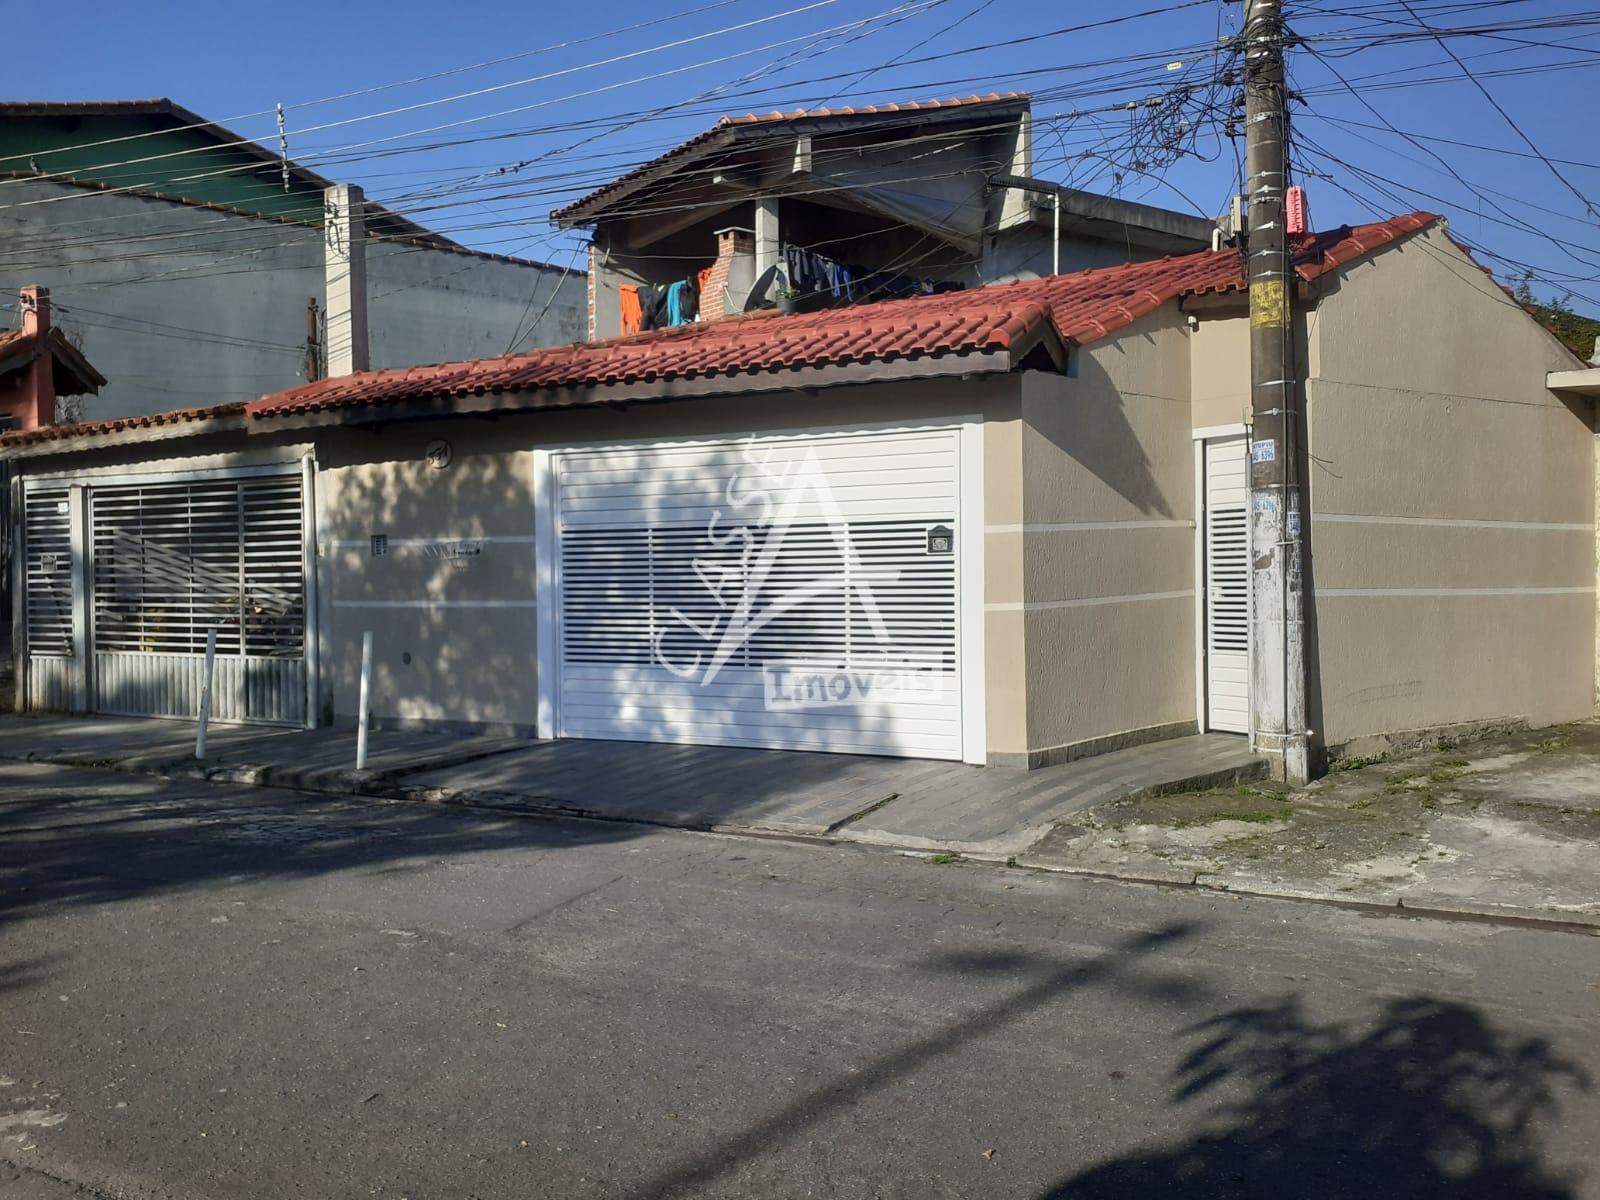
(1356, 763)
(1250, 816)
(944, 858)
(1551, 744)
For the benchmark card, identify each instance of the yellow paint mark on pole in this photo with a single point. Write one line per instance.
(1269, 304)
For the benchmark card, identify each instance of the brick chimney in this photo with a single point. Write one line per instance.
(732, 275)
(32, 399)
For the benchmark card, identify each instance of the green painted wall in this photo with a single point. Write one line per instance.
(211, 171)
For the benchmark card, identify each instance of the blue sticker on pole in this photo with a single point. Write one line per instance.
(1291, 523)
(1263, 451)
(1264, 503)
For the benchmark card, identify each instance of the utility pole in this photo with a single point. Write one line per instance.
(313, 342)
(1277, 627)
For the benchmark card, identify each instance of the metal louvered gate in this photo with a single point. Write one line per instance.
(785, 592)
(54, 668)
(1227, 592)
(165, 561)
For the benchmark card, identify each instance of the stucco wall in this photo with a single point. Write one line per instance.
(1108, 539)
(1453, 505)
(1028, 252)
(180, 306)
(468, 626)
(1219, 366)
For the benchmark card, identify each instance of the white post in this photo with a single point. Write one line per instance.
(344, 256)
(366, 690)
(1055, 268)
(205, 694)
(769, 241)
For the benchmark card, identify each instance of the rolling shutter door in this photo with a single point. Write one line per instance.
(1227, 542)
(796, 593)
(173, 560)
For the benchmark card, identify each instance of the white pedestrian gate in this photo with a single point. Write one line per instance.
(1227, 584)
(118, 610)
(785, 592)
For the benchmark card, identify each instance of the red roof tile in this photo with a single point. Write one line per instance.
(74, 374)
(719, 132)
(57, 433)
(1014, 317)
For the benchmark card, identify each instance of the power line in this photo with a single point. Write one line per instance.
(1495, 104)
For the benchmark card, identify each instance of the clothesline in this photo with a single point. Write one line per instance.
(645, 307)
(817, 275)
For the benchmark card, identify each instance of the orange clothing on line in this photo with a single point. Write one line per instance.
(632, 314)
(701, 280)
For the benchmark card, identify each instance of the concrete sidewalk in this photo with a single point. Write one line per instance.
(907, 803)
(1508, 827)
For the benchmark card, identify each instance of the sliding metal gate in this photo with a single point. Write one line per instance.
(154, 567)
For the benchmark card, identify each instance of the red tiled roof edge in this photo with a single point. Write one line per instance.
(1348, 243)
(1082, 307)
(1016, 317)
(65, 353)
(56, 433)
(745, 346)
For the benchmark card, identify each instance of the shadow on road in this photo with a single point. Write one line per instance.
(1427, 1100)
(90, 838)
(1121, 967)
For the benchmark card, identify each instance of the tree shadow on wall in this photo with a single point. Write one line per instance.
(1429, 1100)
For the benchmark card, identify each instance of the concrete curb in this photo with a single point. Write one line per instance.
(1421, 906)
(385, 785)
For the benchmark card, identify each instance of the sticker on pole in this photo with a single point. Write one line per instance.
(1269, 304)
(1263, 451)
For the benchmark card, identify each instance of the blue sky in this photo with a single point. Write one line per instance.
(567, 119)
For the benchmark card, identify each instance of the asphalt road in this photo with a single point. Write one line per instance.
(224, 992)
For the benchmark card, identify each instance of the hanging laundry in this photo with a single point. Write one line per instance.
(632, 315)
(650, 307)
(683, 303)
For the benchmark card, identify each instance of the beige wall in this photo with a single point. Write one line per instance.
(1219, 364)
(1453, 504)
(468, 625)
(1108, 534)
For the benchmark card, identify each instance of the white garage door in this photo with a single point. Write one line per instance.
(796, 593)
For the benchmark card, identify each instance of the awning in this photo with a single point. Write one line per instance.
(1582, 383)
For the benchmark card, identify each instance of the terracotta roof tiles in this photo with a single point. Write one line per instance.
(1082, 307)
(1014, 318)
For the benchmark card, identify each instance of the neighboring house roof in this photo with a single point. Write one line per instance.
(1015, 322)
(191, 121)
(428, 241)
(72, 373)
(182, 421)
(753, 128)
